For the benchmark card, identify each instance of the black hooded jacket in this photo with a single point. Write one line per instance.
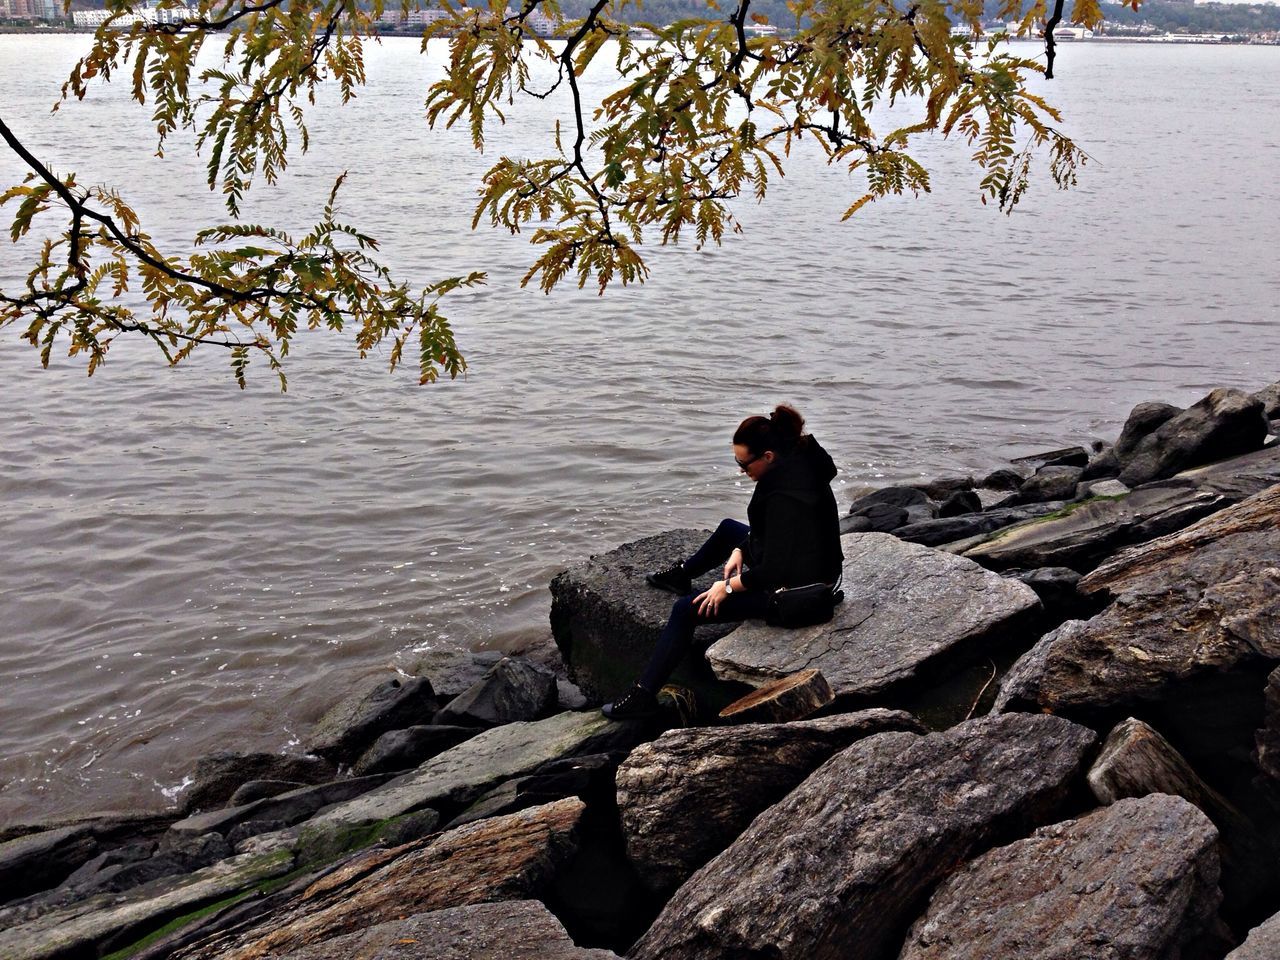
(795, 524)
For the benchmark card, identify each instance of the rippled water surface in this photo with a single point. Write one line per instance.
(190, 567)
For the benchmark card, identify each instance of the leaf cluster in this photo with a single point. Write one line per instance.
(704, 115)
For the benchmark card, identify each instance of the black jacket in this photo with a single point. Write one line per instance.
(795, 524)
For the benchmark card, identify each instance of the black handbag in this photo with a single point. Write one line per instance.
(803, 606)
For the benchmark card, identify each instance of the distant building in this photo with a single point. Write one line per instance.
(414, 18)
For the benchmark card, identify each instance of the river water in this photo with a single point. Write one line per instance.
(191, 567)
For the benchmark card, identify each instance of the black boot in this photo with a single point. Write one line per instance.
(673, 579)
(636, 702)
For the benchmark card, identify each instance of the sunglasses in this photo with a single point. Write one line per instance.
(743, 464)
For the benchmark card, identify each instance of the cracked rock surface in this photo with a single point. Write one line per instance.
(1198, 602)
(859, 844)
(1137, 880)
(684, 797)
(905, 606)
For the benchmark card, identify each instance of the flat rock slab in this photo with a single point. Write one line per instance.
(905, 607)
(1096, 529)
(460, 775)
(1136, 880)
(841, 865)
(933, 533)
(504, 858)
(285, 808)
(1198, 602)
(523, 930)
(687, 795)
(103, 923)
(44, 859)
(606, 618)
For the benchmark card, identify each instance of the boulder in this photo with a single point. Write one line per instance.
(1095, 529)
(285, 809)
(581, 777)
(944, 487)
(1003, 479)
(349, 727)
(1143, 419)
(901, 497)
(505, 858)
(1056, 588)
(1046, 484)
(883, 517)
(687, 795)
(1224, 424)
(858, 845)
(793, 697)
(1270, 399)
(104, 923)
(1218, 580)
(452, 671)
(519, 930)
(1263, 942)
(934, 533)
(960, 503)
(406, 749)
(512, 689)
(42, 860)
(1236, 479)
(1136, 761)
(905, 608)
(606, 619)
(452, 780)
(1101, 488)
(1136, 880)
(218, 776)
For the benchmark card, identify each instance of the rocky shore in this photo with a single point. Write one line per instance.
(1044, 723)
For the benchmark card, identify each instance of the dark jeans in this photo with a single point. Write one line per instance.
(677, 635)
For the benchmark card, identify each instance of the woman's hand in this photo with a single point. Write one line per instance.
(734, 567)
(710, 599)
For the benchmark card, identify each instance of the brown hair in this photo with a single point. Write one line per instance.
(780, 432)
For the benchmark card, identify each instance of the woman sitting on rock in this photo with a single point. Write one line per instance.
(793, 540)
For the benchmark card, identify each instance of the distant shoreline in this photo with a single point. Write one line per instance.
(1191, 39)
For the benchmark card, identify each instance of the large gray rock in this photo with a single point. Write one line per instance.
(933, 533)
(1218, 581)
(505, 858)
(1270, 398)
(1049, 483)
(1143, 419)
(1263, 942)
(42, 860)
(1224, 424)
(519, 930)
(458, 776)
(100, 924)
(842, 864)
(1136, 880)
(512, 689)
(606, 619)
(687, 795)
(406, 749)
(218, 776)
(1137, 761)
(905, 607)
(349, 727)
(1096, 529)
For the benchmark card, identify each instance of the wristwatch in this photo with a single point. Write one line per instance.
(728, 585)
